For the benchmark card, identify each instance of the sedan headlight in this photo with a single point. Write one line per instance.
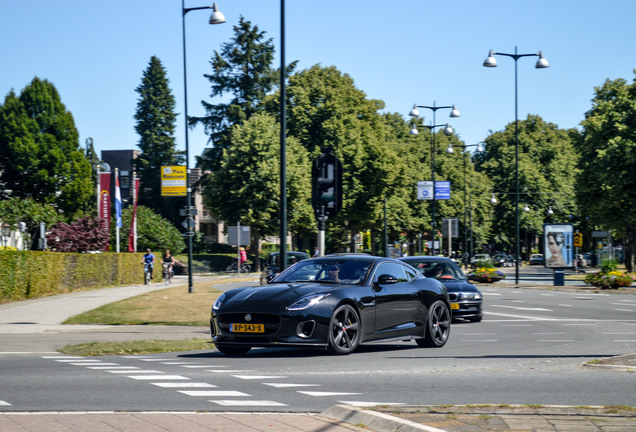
(470, 296)
(219, 301)
(307, 302)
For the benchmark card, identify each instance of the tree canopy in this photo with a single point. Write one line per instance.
(40, 157)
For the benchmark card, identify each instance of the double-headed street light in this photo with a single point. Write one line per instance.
(216, 18)
(447, 131)
(479, 150)
(542, 63)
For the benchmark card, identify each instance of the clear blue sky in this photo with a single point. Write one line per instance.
(402, 52)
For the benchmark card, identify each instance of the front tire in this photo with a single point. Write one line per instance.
(438, 325)
(344, 330)
(233, 350)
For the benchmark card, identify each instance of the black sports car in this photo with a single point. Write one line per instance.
(465, 297)
(334, 303)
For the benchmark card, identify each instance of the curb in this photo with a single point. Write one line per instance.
(378, 422)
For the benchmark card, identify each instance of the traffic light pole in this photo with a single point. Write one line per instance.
(322, 225)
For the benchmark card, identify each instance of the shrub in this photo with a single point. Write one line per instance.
(486, 274)
(610, 280)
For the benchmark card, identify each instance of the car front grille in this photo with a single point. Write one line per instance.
(272, 322)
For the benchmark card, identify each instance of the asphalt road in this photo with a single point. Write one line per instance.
(529, 349)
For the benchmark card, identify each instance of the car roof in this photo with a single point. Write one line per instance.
(289, 252)
(424, 258)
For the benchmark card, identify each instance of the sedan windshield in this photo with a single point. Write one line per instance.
(326, 271)
(439, 269)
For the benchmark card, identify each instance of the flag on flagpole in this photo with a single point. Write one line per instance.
(117, 200)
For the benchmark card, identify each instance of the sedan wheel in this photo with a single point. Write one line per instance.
(344, 330)
(233, 350)
(437, 326)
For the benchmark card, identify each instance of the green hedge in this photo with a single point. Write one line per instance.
(32, 274)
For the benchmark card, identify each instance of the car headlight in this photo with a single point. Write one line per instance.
(470, 296)
(219, 301)
(307, 302)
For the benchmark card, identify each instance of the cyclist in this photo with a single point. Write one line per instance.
(149, 260)
(169, 259)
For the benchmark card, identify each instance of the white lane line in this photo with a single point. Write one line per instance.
(213, 393)
(624, 340)
(288, 385)
(61, 357)
(129, 371)
(202, 366)
(555, 340)
(176, 363)
(230, 371)
(157, 377)
(78, 361)
(566, 305)
(321, 394)
(257, 377)
(90, 365)
(247, 403)
(523, 308)
(183, 385)
(624, 310)
(155, 360)
(4, 403)
(129, 368)
(369, 404)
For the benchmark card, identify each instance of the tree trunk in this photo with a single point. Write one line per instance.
(630, 249)
(256, 247)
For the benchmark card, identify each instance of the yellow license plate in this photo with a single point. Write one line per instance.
(247, 328)
(454, 306)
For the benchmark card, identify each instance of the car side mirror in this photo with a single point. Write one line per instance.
(386, 279)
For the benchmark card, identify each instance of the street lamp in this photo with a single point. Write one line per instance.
(479, 150)
(216, 18)
(447, 131)
(542, 63)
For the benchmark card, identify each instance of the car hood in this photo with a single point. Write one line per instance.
(456, 285)
(283, 294)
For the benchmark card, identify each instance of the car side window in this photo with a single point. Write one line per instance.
(410, 273)
(393, 269)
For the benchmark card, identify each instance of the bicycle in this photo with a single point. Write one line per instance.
(166, 273)
(233, 268)
(147, 274)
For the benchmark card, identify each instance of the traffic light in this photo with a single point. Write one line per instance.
(326, 185)
(578, 239)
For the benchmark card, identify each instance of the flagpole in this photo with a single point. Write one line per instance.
(117, 210)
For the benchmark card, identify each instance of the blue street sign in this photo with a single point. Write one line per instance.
(442, 190)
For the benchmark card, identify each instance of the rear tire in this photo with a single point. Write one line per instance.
(438, 325)
(233, 350)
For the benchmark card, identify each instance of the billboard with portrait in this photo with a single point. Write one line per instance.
(557, 245)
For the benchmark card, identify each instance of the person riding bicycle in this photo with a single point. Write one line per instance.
(169, 259)
(243, 256)
(149, 260)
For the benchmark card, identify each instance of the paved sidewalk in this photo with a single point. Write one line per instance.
(37, 324)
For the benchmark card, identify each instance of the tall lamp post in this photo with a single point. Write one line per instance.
(447, 131)
(479, 150)
(216, 18)
(542, 63)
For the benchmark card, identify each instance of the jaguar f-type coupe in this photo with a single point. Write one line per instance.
(334, 303)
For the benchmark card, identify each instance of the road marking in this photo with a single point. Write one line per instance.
(321, 394)
(78, 361)
(555, 340)
(287, 385)
(625, 310)
(154, 360)
(523, 309)
(183, 385)
(4, 403)
(157, 377)
(128, 371)
(213, 393)
(257, 377)
(202, 366)
(177, 363)
(91, 365)
(229, 371)
(129, 368)
(565, 305)
(248, 403)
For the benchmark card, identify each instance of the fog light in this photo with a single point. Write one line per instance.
(305, 329)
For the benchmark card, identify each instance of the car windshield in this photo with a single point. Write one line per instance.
(292, 258)
(326, 270)
(439, 269)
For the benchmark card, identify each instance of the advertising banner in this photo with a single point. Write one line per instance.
(558, 245)
(104, 201)
(132, 235)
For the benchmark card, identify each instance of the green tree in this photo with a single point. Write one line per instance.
(153, 232)
(155, 125)
(40, 157)
(608, 157)
(243, 69)
(15, 210)
(547, 174)
(245, 187)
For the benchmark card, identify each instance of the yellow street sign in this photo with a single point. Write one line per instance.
(173, 181)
